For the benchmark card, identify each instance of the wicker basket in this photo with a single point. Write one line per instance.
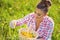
(21, 37)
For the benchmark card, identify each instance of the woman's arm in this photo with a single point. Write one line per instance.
(20, 22)
(46, 31)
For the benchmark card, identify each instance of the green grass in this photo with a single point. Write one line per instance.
(16, 9)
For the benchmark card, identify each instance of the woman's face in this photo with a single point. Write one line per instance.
(39, 13)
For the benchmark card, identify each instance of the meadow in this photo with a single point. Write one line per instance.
(16, 9)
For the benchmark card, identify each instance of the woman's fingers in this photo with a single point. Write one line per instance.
(13, 24)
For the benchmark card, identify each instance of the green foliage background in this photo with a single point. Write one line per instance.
(16, 9)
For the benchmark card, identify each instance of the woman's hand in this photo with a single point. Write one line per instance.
(40, 38)
(12, 24)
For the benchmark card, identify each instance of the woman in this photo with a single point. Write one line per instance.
(38, 21)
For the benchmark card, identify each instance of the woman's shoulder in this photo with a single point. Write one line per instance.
(46, 18)
(31, 14)
(49, 19)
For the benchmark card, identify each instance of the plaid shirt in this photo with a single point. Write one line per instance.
(46, 26)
